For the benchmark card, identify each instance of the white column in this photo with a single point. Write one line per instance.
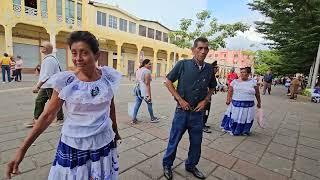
(119, 62)
(316, 69)
(169, 66)
(63, 11)
(155, 62)
(75, 14)
(311, 73)
(137, 63)
(39, 8)
(53, 42)
(8, 39)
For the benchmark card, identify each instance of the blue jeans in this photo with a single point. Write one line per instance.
(182, 121)
(5, 68)
(137, 107)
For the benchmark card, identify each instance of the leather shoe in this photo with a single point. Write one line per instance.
(195, 171)
(167, 171)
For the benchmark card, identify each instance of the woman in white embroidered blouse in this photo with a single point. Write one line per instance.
(87, 147)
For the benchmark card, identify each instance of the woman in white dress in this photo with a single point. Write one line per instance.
(240, 114)
(87, 147)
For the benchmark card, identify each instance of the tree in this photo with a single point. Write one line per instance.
(205, 26)
(293, 27)
(268, 60)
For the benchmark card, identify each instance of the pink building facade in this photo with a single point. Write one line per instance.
(230, 58)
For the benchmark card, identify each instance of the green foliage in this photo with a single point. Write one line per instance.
(293, 27)
(268, 60)
(205, 26)
(306, 92)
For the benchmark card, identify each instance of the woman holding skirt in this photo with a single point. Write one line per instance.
(87, 146)
(238, 118)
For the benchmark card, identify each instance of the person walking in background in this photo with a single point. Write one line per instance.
(267, 82)
(13, 68)
(5, 67)
(192, 95)
(143, 90)
(87, 149)
(206, 128)
(288, 84)
(295, 84)
(19, 64)
(238, 118)
(231, 76)
(49, 67)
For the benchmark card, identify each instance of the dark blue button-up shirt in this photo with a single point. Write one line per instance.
(193, 82)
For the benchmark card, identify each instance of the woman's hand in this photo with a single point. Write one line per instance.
(13, 165)
(259, 105)
(228, 101)
(148, 99)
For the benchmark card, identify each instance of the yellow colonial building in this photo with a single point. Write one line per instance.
(124, 39)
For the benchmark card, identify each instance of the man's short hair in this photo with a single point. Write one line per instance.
(5, 54)
(200, 39)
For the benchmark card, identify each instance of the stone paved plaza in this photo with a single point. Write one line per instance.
(288, 148)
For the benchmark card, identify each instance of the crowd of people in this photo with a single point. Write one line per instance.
(87, 148)
(11, 68)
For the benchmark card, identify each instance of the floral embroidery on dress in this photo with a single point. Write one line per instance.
(95, 91)
(75, 87)
(69, 80)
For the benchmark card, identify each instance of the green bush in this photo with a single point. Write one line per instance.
(306, 92)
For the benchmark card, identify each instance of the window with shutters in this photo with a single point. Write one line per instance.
(123, 25)
(142, 31)
(151, 33)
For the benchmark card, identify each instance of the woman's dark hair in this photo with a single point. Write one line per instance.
(248, 69)
(84, 36)
(144, 62)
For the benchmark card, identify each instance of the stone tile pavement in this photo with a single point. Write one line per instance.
(288, 148)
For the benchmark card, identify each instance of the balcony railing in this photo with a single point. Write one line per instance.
(59, 18)
(44, 14)
(79, 22)
(69, 20)
(17, 9)
(31, 11)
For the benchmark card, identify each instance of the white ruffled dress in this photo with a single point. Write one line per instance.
(86, 149)
(238, 118)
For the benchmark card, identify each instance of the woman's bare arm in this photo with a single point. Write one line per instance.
(258, 96)
(147, 81)
(113, 117)
(229, 96)
(45, 119)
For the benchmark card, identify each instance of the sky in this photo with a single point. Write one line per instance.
(169, 13)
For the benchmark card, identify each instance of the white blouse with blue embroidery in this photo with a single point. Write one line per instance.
(244, 90)
(87, 124)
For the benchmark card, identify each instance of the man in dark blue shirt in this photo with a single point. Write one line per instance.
(194, 77)
(267, 81)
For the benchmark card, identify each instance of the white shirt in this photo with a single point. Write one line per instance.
(49, 67)
(86, 107)
(244, 90)
(140, 78)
